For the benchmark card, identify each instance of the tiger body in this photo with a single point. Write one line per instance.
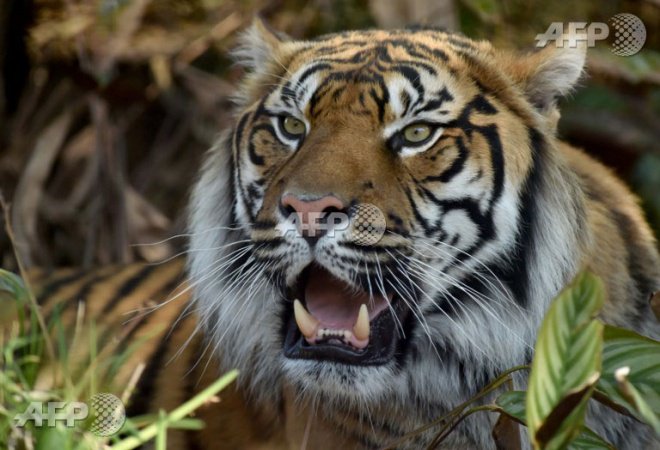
(488, 217)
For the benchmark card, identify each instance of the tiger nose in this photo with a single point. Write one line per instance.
(311, 214)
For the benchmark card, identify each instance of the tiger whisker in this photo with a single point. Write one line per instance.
(503, 290)
(215, 267)
(252, 273)
(381, 288)
(476, 296)
(186, 235)
(506, 295)
(194, 250)
(206, 314)
(434, 303)
(410, 303)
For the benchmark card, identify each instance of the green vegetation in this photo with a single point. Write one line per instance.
(577, 358)
(33, 356)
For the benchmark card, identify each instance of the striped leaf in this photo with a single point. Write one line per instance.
(588, 440)
(512, 404)
(624, 348)
(566, 365)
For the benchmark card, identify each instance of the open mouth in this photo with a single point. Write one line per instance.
(331, 320)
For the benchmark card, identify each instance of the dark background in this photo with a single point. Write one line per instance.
(106, 106)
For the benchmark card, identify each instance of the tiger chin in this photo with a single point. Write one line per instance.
(488, 215)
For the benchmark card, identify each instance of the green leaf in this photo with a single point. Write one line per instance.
(12, 286)
(636, 399)
(512, 404)
(566, 364)
(625, 348)
(588, 440)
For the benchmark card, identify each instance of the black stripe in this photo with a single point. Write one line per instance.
(51, 288)
(140, 402)
(312, 70)
(267, 244)
(456, 166)
(256, 158)
(237, 162)
(642, 267)
(413, 50)
(238, 132)
(381, 102)
(126, 340)
(491, 133)
(461, 43)
(516, 274)
(128, 287)
(436, 102)
(405, 100)
(264, 225)
(418, 216)
(82, 294)
(413, 78)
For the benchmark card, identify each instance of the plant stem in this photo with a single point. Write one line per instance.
(33, 302)
(179, 413)
(496, 383)
(447, 429)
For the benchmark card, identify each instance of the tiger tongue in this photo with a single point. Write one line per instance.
(336, 304)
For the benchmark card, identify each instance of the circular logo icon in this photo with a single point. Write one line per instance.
(108, 414)
(367, 224)
(629, 34)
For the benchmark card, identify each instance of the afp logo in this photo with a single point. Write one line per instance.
(629, 34)
(106, 411)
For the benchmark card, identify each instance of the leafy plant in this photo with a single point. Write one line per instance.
(577, 359)
(566, 366)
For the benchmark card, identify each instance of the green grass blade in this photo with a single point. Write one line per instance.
(179, 413)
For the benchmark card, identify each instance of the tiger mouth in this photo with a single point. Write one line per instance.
(330, 320)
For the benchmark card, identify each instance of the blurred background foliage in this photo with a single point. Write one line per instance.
(106, 106)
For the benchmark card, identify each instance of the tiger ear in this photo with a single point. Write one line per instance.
(549, 74)
(258, 45)
(261, 51)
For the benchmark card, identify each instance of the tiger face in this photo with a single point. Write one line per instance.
(388, 122)
(442, 138)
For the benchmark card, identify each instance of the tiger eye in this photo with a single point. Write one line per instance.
(293, 126)
(416, 133)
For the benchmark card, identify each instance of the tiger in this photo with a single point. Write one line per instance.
(487, 215)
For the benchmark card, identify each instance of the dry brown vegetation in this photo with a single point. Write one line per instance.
(107, 106)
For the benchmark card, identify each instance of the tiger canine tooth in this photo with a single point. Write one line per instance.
(361, 327)
(307, 324)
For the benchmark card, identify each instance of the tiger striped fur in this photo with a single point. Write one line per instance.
(487, 219)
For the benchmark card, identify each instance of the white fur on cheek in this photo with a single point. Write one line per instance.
(223, 308)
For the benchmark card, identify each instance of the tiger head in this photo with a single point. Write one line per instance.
(379, 210)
